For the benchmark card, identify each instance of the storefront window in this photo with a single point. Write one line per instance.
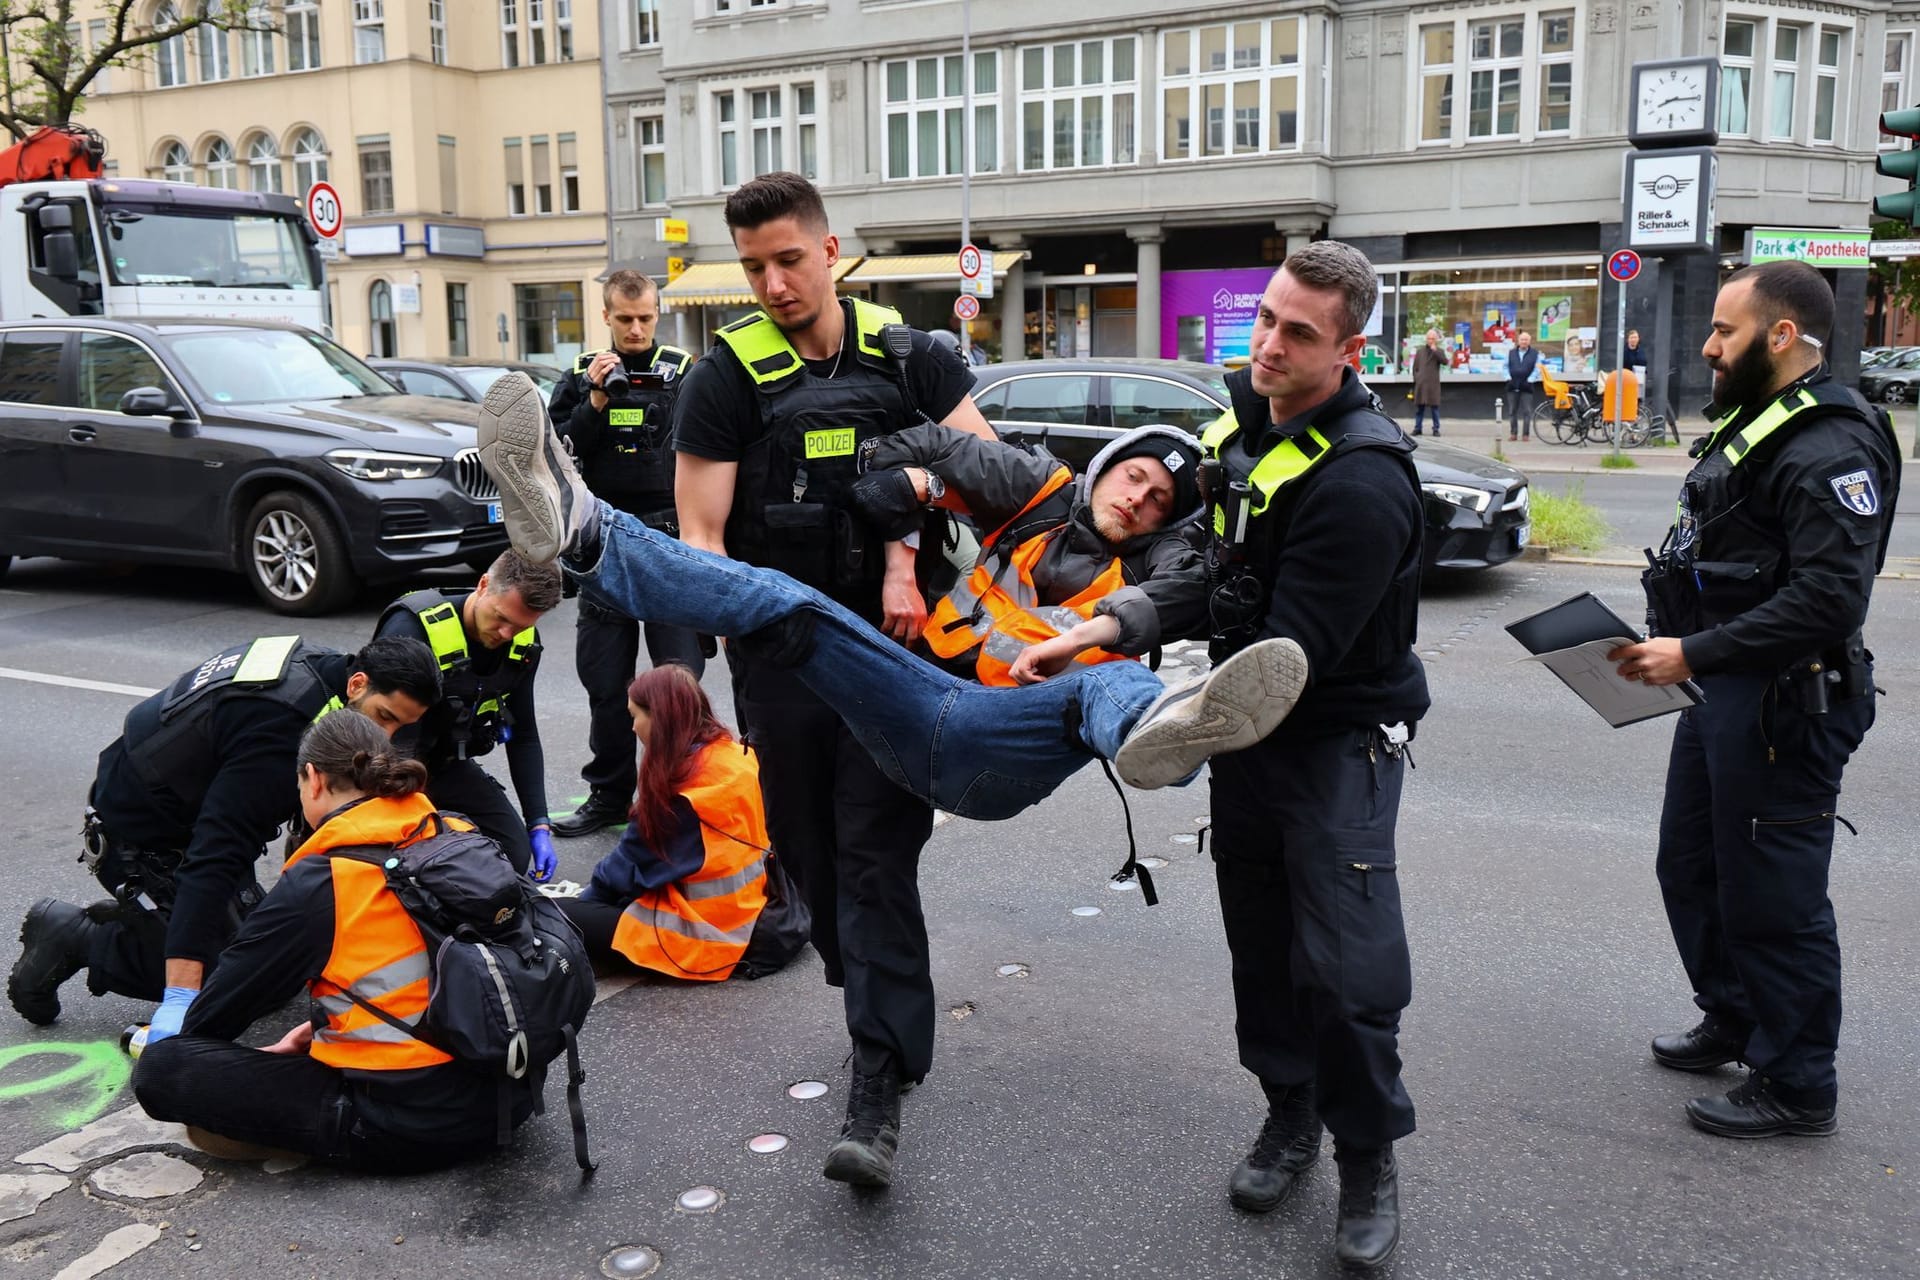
(1478, 311)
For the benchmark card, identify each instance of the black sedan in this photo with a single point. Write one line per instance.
(1476, 508)
(256, 447)
(462, 377)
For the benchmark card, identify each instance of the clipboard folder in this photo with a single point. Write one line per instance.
(1572, 640)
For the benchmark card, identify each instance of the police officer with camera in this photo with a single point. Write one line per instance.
(616, 408)
(1759, 594)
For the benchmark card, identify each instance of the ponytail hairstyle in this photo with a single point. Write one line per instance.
(683, 723)
(355, 755)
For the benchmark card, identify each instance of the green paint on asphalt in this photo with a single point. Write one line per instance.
(97, 1065)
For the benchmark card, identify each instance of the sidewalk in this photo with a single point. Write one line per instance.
(1537, 457)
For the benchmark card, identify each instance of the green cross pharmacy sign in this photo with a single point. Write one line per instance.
(1813, 245)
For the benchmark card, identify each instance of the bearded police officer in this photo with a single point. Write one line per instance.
(769, 427)
(1759, 594)
(184, 801)
(616, 408)
(1317, 523)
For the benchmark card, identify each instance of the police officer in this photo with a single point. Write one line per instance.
(184, 801)
(768, 428)
(489, 654)
(1317, 524)
(1759, 594)
(616, 407)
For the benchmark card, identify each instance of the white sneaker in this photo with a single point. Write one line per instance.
(1230, 708)
(542, 498)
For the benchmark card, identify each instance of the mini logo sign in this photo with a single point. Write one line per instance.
(1856, 492)
(1667, 186)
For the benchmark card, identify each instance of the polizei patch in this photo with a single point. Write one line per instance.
(1856, 492)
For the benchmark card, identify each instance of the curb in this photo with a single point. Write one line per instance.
(1550, 556)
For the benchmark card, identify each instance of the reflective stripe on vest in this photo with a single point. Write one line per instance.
(768, 356)
(998, 608)
(700, 926)
(379, 956)
(333, 704)
(1284, 463)
(1771, 419)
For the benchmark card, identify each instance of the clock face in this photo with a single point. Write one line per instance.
(1672, 100)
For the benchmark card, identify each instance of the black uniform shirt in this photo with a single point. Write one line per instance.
(572, 413)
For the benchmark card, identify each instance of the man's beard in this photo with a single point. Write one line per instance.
(1746, 379)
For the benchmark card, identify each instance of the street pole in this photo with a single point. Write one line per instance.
(1619, 370)
(966, 157)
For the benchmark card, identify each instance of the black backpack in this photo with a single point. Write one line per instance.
(509, 982)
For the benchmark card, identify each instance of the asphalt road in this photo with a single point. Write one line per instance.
(1081, 1120)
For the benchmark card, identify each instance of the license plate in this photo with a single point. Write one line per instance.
(1520, 535)
(493, 517)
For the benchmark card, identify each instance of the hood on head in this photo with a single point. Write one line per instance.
(1126, 444)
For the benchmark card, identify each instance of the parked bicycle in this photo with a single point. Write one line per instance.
(1574, 414)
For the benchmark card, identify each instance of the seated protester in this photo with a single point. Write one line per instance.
(489, 654)
(681, 892)
(343, 1087)
(975, 752)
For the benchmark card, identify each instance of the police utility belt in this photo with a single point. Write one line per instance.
(145, 876)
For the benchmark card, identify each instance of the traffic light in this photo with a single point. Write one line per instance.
(1903, 206)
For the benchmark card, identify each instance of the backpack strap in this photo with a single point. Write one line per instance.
(577, 1076)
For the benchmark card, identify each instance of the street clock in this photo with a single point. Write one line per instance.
(1675, 103)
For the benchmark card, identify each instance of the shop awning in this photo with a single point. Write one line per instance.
(925, 268)
(724, 284)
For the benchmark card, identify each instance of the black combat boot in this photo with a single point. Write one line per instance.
(1369, 1229)
(1759, 1108)
(54, 938)
(1288, 1145)
(1713, 1043)
(871, 1135)
(602, 809)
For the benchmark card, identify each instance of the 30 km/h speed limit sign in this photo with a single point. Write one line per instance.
(323, 210)
(970, 261)
(967, 307)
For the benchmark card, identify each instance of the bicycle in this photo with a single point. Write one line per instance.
(1575, 415)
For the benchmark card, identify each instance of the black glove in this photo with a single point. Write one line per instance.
(887, 502)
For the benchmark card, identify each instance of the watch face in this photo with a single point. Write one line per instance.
(1672, 100)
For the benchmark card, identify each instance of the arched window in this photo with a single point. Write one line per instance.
(216, 51)
(382, 334)
(263, 165)
(221, 169)
(170, 59)
(309, 160)
(176, 164)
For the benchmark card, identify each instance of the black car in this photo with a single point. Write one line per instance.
(1893, 378)
(253, 446)
(463, 377)
(1476, 508)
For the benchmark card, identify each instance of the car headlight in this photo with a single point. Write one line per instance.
(370, 464)
(1460, 495)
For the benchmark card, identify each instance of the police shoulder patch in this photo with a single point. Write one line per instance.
(1856, 492)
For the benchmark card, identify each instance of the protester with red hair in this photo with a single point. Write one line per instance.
(681, 893)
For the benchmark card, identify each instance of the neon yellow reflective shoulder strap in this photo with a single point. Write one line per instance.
(446, 635)
(1771, 419)
(868, 319)
(672, 357)
(332, 705)
(1278, 466)
(586, 358)
(523, 644)
(759, 345)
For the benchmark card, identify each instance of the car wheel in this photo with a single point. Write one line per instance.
(293, 557)
(1896, 393)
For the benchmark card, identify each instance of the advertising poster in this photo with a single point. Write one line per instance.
(1556, 314)
(1497, 321)
(1208, 315)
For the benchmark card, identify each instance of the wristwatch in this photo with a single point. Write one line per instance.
(936, 487)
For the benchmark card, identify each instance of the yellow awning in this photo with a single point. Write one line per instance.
(724, 284)
(935, 268)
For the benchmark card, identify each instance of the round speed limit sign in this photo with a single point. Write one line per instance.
(967, 307)
(323, 210)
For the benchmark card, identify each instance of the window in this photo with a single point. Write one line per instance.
(1736, 76)
(729, 141)
(1078, 106)
(540, 153)
(516, 179)
(537, 32)
(309, 160)
(1801, 96)
(1140, 402)
(1240, 81)
(176, 165)
(563, 30)
(805, 127)
(256, 47)
(569, 174)
(509, 33)
(926, 103)
(263, 165)
(216, 51)
(766, 130)
(1785, 79)
(30, 367)
(646, 23)
(650, 160)
(383, 336)
(418, 382)
(302, 20)
(222, 171)
(449, 175)
(369, 31)
(170, 60)
(1893, 78)
(376, 175)
(111, 366)
(1518, 70)
(782, 130)
(457, 320)
(1826, 83)
(437, 31)
(1054, 399)
(552, 328)
(97, 36)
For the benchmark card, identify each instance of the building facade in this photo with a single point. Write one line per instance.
(464, 139)
(1138, 166)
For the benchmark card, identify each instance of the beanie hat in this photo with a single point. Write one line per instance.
(1178, 452)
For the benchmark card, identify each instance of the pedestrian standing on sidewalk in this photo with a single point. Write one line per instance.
(1428, 362)
(1523, 366)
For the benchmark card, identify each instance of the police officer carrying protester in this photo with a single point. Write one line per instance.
(769, 425)
(616, 407)
(489, 653)
(1759, 594)
(1317, 524)
(183, 803)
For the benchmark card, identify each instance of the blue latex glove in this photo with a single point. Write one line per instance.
(545, 860)
(171, 1013)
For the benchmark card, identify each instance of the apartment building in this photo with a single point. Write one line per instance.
(464, 138)
(1138, 166)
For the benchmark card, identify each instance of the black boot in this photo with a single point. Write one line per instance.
(1369, 1229)
(602, 809)
(1757, 1109)
(1288, 1145)
(871, 1135)
(55, 938)
(1713, 1043)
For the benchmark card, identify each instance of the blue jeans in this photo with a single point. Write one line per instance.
(973, 751)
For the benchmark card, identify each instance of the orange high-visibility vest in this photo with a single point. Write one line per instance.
(378, 953)
(997, 609)
(699, 927)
